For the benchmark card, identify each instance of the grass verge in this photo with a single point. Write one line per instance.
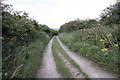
(65, 73)
(27, 60)
(100, 46)
(31, 58)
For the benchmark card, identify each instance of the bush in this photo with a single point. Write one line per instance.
(99, 45)
(23, 43)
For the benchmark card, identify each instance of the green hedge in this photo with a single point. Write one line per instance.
(99, 45)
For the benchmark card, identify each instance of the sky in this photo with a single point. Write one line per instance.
(55, 13)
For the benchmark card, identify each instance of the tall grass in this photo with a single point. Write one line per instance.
(26, 61)
(23, 42)
(97, 44)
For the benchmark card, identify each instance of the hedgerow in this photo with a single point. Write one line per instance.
(23, 42)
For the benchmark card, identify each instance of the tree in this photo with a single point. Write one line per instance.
(111, 15)
(78, 24)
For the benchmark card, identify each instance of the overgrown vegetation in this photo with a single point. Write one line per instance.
(78, 24)
(94, 48)
(62, 69)
(24, 40)
(96, 40)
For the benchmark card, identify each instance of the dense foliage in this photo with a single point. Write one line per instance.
(23, 40)
(78, 24)
(97, 40)
(111, 15)
(97, 44)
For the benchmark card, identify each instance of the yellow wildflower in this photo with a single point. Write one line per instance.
(109, 35)
(103, 43)
(102, 40)
(116, 45)
(104, 49)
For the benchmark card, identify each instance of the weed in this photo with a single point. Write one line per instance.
(59, 63)
(97, 44)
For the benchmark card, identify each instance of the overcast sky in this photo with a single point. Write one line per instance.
(54, 13)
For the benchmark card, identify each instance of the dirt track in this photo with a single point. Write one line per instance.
(48, 70)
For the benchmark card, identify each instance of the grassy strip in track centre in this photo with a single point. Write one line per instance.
(69, 59)
(65, 73)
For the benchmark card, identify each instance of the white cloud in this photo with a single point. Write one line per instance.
(54, 13)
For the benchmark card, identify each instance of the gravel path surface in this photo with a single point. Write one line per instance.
(48, 70)
(87, 66)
